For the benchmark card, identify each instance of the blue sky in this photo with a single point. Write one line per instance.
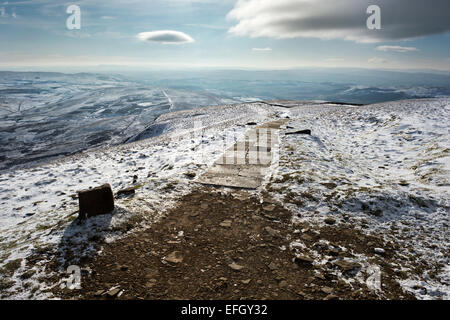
(259, 34)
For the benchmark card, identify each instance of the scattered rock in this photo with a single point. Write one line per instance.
(123, 268)
(99, 293)
(174, 257)
(301, 293)
(379, 250)
(302, 259)
(306, 237)
(331, 297)
(226, 223)
(151, 283)
(221, 284)
(347, 266)
(330, 220)
(329, 185)
(320, 276)
(190, 174)
(96, 201)
(333, 252)
(127, 192)
(269, 216)
(113, 292)
(235, 266)
(327, 290)
(269, 208)
(273, 266)
(377, 213)
(246, 281)
(272, 232)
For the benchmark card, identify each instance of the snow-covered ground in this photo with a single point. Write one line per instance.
(39, 205)
(45, 116)
(381, 168)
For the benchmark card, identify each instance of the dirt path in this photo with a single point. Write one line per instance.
(229, 246)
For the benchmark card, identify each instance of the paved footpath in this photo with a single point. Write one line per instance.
(245, 164)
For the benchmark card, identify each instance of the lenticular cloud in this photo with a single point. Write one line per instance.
(165, 37)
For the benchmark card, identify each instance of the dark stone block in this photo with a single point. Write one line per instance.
(300, 132)
(96, 201)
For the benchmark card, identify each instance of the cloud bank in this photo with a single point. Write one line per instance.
(396, 49)
(261, 49)
(165, 37)
(344, 19)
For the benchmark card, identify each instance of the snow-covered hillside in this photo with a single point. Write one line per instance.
(45, 116)
(380, 168)
(39, 205)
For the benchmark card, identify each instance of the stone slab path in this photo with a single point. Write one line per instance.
(245, 164)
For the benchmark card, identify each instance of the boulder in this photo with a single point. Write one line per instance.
(97, 201)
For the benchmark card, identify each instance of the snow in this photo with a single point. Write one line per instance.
(384, 166)
(38, 210)
(45, 116)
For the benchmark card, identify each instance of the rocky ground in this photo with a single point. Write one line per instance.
(233, 245)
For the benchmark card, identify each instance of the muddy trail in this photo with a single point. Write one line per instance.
(233, 246)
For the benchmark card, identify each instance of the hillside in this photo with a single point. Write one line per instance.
(360, 205)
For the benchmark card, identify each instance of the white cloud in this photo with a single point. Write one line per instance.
(344, 19)
(396, 48)
(377, 60)
(165, 37)
(262, 49)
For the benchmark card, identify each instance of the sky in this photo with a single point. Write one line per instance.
(253, 34)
